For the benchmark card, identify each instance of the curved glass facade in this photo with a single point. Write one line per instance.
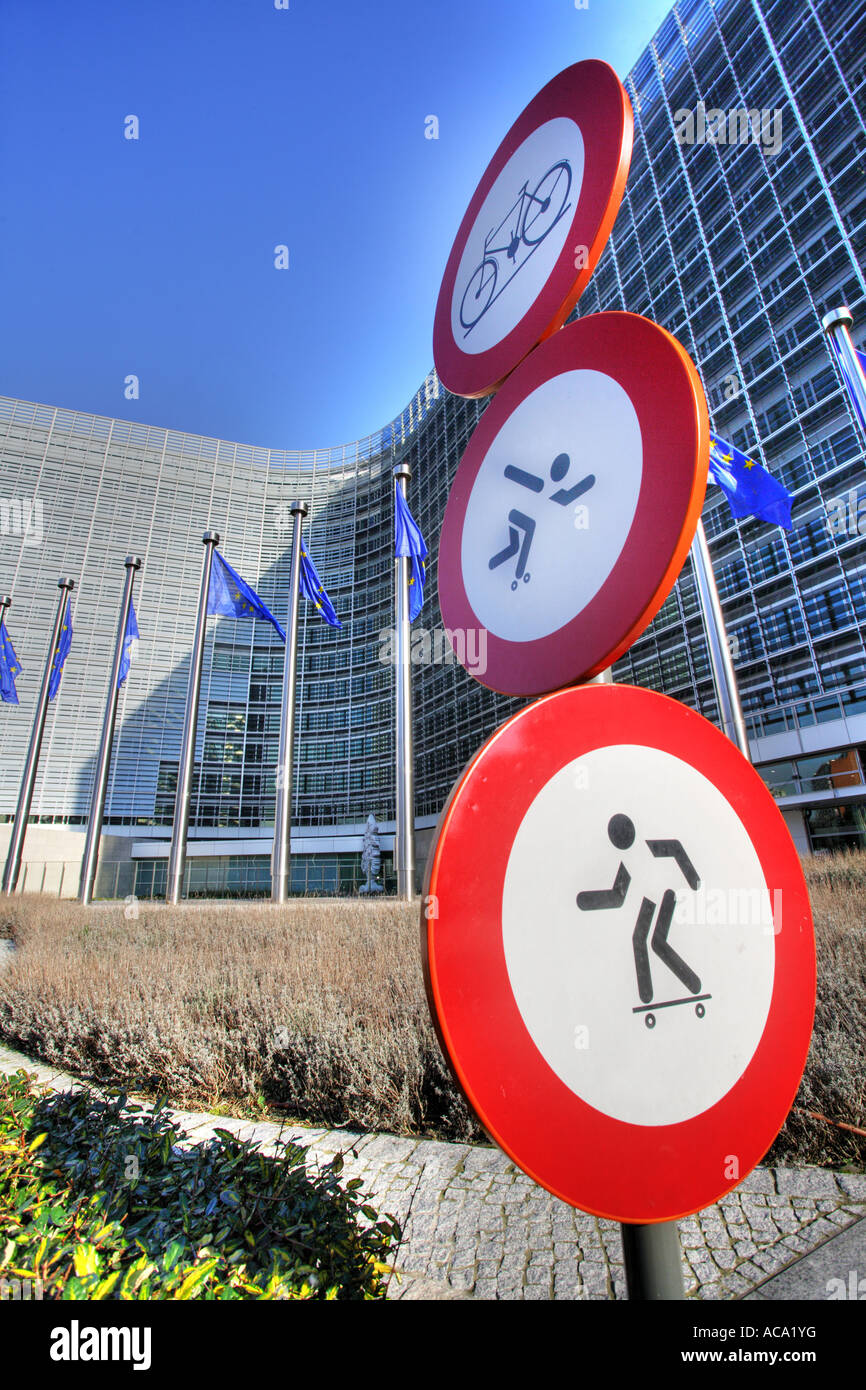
(738, 250)
(101, 489)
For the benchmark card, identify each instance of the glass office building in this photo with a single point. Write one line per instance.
(738, 249)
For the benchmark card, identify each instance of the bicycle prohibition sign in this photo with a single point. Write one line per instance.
(528, 221)
(537, 222)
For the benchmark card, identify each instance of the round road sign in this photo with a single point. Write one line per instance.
(535, 228)
(575, 503)
(619, 952)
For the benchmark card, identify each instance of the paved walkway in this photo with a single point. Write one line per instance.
(474, 1226)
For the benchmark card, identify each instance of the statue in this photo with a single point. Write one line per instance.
(371, 859)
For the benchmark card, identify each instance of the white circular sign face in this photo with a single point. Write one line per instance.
(552, 506)
(518, 235)
(645, 975)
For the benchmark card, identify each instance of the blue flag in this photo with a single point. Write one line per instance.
(10, 667)
(130, 642)
(409, 541)
(313, 589)
(846, 376)
(231, 597)
(61, 652)
(749, 488)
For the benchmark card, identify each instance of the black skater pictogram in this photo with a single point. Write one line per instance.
(519, 521)
(621, 833)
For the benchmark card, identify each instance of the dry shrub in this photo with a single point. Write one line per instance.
(834, 1082)
(316, 1008)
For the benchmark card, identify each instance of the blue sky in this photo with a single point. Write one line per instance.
(258, 127)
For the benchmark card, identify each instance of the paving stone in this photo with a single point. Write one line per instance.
(770, 1260)
(841, 1216)
(854, 1184)
(483, 1160)
(734, 1216)
(806, 1182)
(717, 1239)
(725, 1259)
(735, 1284)
(537, 1293)
(568, 1289)
(691, 1240)
(416, 1287)
(760, 1180)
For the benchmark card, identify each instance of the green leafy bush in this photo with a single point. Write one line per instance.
(100, 1199)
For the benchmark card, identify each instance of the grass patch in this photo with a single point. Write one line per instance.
(316, 1010)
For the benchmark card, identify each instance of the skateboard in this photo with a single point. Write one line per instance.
(648, 1009)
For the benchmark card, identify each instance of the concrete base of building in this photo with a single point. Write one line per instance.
(51, 860)
(796, 823)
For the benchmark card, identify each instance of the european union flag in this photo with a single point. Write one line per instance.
(313, 589)
(61, 652)
(231, 597)
(10, 667)
(408, 541)
(749, 488)
(130, 642)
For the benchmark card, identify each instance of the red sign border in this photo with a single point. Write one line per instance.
(623, 1172)
(662, 382)
(591, 94)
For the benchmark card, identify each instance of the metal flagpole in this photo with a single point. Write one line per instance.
(651, 1253)
(100, 784)
(837, 326)
(5, 602)
(721, 661)
(281, 855)
(28, 781)
(177, 855)
(404, 839)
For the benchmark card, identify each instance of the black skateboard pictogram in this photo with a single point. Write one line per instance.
(621, 833)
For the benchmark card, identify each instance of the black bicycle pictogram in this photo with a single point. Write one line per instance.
(525, 225)
(621, 833)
